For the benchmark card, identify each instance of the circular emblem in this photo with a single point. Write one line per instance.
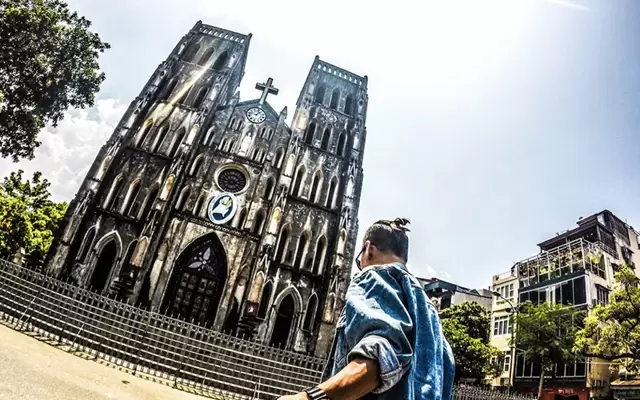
(256, 115)
(222, 208)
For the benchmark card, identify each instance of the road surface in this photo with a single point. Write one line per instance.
(33, 370)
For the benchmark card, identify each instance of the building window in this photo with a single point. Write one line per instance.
(232, 180)
(501, 326)
(507, 361)
(602, 295)
(572, 292)
(506, 291)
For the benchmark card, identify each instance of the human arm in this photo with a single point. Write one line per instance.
(376, 328)
(358, 378)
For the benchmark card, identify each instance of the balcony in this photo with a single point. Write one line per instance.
(562, 260)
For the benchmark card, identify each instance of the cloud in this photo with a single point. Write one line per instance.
(67, 151)
(569, 5)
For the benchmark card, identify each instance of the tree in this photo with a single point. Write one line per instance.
(546, 334)
(48, 63)
(466, 327)
(612, 331)
(28, 218)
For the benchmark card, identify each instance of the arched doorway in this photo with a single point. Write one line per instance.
(105, 263)
(197, 281)
(284, 319)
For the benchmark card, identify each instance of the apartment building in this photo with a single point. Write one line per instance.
(506, 285)
(575, 268)
(445, 294)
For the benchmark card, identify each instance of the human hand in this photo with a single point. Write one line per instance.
(299, 396)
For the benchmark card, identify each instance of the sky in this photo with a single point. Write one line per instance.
(491, 124)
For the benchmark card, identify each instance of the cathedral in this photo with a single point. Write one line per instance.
(214, 210)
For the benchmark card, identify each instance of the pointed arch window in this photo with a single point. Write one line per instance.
(242, 219)
(318, 258)
(200, 97)
(311, 130)
(268, 189)
(182, 200)
(130, 207)
(177, 141)
(341, 142)
(197, 209)
(239, 125)
(191, 52)
(184, 93)
(348, 105)
(87, 243)
(320, 94)
(264, 300)
(232, 144)
(315, 186)
(220, 61)
(206, 56)
(144, 132)
(332, 193)
(269, 133)
(258, 223)
(148, 203)
(114, 194)
(209, 137)
(279, 157)
(298, 181)
(310, 315)
(302, 247)
(335, 99)
(169, 89)
(159, 139)
(326, 136)
(232, 123)
(282, 244)
(195, 167)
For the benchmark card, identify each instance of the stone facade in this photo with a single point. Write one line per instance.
(140, 229)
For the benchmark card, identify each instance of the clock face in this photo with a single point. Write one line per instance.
(256, 115)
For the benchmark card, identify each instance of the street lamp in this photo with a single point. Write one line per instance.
(512, 343)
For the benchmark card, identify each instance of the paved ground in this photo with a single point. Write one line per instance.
(31, 369)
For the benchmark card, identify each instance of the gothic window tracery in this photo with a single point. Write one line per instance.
(232, 180)
(197, 281)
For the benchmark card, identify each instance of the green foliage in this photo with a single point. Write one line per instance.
(612, 332)
(28, 218)
(466, 327)
(546, 334)
(48, 63)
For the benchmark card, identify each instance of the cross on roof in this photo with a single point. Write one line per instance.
(266, 89)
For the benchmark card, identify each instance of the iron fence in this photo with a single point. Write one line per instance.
(465, 392)
(150, 343)
(144, 342)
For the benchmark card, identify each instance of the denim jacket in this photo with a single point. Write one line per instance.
(388, 317)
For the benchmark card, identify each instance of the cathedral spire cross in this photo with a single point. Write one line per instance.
(266, 89)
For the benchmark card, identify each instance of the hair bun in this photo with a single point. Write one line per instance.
(401, 223)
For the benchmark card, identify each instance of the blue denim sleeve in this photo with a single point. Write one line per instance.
(377, 323)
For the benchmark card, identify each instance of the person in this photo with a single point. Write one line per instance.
(389, 343)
